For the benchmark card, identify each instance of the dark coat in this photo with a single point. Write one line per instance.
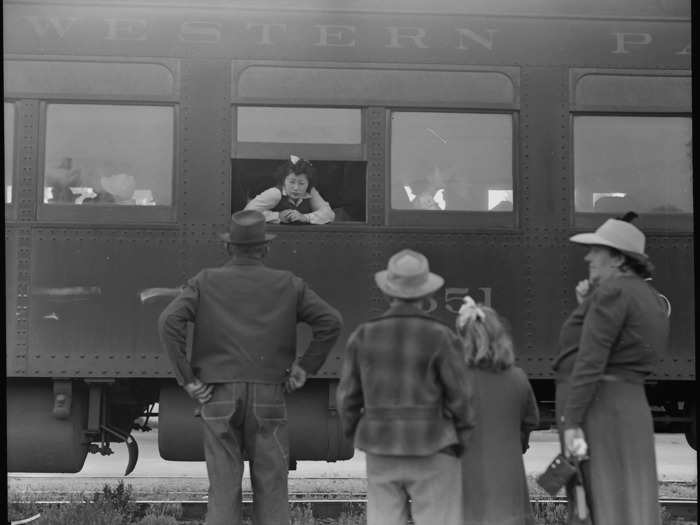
(620, 330)
(245, 316)
(402, 390)
(494, 485)
(609, 344)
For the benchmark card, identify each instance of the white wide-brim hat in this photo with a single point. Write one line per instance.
(614, 233)
(121, 185)
(408, 276)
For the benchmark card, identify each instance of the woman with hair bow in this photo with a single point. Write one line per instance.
(494, 485)
(294, 200)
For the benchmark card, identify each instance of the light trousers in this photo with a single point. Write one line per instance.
(427, 487)
(251, 418)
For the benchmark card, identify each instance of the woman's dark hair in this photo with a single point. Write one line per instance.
(642, 268)
(300, 167)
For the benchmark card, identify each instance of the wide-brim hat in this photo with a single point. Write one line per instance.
(121, 185)
(621, 235)
(408, 276)
(247, 227)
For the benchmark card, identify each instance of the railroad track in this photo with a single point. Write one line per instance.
(325, 507)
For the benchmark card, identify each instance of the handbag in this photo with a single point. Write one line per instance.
(557, 474)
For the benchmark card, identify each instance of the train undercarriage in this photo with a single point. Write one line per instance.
(53, 424)
(77, 417)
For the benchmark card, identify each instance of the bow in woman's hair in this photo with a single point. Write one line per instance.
(298, 165)
(469, 312)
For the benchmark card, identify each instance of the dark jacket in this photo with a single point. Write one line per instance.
(402, 388)
(245, 317)
(620, 330)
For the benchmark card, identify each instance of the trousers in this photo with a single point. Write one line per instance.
(251, 419)
(432, 483)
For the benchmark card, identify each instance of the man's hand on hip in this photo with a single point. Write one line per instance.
(296, 379)
(199, 391)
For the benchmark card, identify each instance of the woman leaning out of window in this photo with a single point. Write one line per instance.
(294, 200)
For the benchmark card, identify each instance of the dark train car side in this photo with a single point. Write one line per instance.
(482, 134)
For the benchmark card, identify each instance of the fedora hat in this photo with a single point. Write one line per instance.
(618, 234)
(408, 276)
(247, 227)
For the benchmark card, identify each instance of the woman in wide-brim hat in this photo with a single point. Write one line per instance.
(607, 347)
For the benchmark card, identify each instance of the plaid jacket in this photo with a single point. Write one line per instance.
(402, 388)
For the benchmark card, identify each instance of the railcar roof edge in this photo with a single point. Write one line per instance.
(627, 9)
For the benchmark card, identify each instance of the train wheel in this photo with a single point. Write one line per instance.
(691, 431)
(37, 441)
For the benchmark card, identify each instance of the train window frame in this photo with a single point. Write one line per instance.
(11, 207)
(669, 106)
(108, 214)
(313, 151)
(650, 222)
(459, 220)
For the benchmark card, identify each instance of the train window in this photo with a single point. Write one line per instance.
(640, 163)
(451, 162)
(331, 138)
(108, 155)
(9, 111)
(299, 125)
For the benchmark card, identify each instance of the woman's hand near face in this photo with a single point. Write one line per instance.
(583, 288)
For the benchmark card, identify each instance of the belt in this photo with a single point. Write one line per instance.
(608, 378)
(404, 412)
(632, 379)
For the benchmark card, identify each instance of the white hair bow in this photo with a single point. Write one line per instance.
(294, 159)
(468, 312)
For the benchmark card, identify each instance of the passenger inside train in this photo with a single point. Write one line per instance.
(294, 199)
(94, 156)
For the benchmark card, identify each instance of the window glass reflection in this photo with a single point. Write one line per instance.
(108, 155)
(9, 148)
(638, 163)
(451, 161)
(299, 125)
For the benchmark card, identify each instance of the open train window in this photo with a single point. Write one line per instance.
(110, 157)
(451, 169)
(640, 163)
(9, 139)
(331, 138)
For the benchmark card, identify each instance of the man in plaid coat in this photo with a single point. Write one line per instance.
(403, 396)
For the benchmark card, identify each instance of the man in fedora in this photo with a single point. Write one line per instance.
(243, 359)
(404, 398)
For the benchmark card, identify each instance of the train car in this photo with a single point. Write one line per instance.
(482, 133)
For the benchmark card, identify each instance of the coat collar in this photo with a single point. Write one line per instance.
(403, 309)
(242, 260)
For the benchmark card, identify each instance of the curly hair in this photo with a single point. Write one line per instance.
(300, 167)
(487, 342)
(643, 268)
